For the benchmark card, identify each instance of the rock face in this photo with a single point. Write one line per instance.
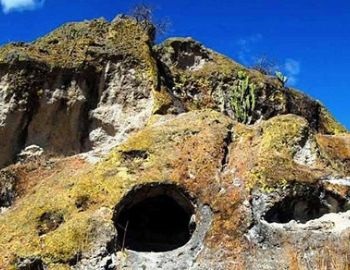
(76, 89)
(7, 188)
(206, 164)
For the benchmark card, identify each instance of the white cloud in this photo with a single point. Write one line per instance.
(245, 47)
(292, 68)
(247, 54)
(12, 5)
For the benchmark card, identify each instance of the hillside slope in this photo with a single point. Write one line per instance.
(103, 134)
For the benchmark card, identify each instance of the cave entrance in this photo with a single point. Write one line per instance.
(307, 203)
(154, 217)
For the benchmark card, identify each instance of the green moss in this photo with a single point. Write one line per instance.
(19, 227)
(77, 44)
(162, 101)
(280, 138)
(281, 134)
(187, 149)
(328, 124)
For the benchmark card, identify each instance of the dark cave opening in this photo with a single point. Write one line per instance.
(30, 264)
(307, 204)
(154, 218)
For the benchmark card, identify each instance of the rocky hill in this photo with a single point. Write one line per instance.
(120, 154)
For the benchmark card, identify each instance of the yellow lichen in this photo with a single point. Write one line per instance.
(280, 137)
(328, 124)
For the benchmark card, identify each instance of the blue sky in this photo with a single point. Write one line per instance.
(309, 39)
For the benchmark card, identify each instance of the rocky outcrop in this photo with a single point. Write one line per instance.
(82, 87)
(201, 78)
(87, 85)
(249, 174)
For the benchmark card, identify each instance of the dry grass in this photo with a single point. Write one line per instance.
(334, 255)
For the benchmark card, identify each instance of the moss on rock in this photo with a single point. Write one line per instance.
(336, 149)
(192, 140)
(201, 78)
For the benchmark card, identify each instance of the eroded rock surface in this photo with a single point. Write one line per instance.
(83, 87)
(8, 183)
(263, 169)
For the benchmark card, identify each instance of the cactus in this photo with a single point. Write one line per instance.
(283, 79)
(243, 98)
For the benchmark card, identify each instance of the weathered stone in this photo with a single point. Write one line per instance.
(32, 263)
(336, 149)
(31, 152)
(201, 78)
(83, 87)
(264, 178)
(8, 183)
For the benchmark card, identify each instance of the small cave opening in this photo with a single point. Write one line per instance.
(305, 204)
(154, 217)
(30, 264)
(49, 221)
